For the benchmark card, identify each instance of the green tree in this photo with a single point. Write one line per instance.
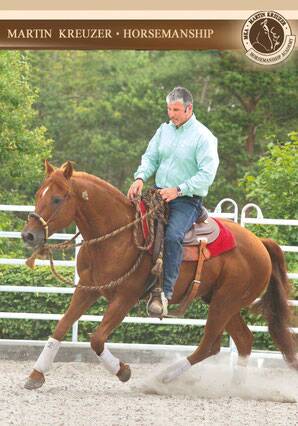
(245, 104)
(274, 186)
(22, 145)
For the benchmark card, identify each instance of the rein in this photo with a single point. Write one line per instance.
(155, 204)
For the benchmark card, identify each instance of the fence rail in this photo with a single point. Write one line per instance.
(135, 320)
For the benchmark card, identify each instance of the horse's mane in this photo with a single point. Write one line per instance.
(102, 184)
(58, 178)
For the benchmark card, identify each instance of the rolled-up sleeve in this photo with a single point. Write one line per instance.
(150, 159)
(207, 163)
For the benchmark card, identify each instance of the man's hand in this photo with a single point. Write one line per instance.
(135, 189)
(169, 194)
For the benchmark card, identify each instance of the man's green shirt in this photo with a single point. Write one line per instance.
(185, 156)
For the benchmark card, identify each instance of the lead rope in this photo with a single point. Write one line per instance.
(98, 287)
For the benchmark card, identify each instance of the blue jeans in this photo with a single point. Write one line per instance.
(183, 212)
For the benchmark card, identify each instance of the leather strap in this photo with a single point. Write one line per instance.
(158, 241)
(203, 255)
(194, 287)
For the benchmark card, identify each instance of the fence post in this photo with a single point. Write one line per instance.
(218, 208)
(75, 327)
(247, 207)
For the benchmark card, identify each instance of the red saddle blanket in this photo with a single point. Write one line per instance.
(224, 242)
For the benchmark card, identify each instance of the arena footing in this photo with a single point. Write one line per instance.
(22, 350)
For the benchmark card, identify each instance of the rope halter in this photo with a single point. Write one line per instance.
(42, 222)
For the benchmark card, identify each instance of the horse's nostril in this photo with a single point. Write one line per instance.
(27, 236)
(30, 236)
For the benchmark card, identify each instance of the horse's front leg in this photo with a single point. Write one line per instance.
(80, 302)
(115, 313)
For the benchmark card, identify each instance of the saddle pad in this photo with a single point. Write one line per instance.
(224, 242)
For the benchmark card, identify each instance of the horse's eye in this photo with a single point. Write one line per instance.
(56, 200)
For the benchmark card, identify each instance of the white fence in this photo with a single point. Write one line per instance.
(136, 320)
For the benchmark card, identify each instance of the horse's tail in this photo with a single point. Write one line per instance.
(274, 303)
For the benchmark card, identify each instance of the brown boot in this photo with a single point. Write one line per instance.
(157, 305)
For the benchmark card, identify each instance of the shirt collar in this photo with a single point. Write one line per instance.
(187, 124)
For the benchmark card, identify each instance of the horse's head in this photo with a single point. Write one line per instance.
(54, 206)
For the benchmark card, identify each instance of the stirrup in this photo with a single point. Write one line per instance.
(157, 306)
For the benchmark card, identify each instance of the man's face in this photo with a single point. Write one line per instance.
(178, 114)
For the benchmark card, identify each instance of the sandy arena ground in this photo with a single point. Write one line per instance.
(85, 394)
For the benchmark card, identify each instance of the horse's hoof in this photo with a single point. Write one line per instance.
(34, 384)
(124, 373)
(35, 380)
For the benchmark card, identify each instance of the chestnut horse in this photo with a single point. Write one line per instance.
(230, 281)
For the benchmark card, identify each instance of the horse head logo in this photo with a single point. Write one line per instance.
(268, 37)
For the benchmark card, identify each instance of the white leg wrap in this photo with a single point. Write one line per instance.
(110, 362)
(175, 370)
(47, 356)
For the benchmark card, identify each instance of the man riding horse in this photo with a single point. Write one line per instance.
(110, 264)
(183, 156)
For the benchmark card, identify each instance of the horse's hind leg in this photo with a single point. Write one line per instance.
(243, 339)
(80, 302)
(115, 313)
(221, 310)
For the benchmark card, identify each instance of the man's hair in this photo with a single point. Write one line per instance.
(180, 94)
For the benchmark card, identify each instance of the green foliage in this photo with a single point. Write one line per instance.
(102, 107)
(274, 184)
(274, 187)
(23, 145)
(57, 304)
(242, 113)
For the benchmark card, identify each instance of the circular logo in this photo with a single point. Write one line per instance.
(267, 38)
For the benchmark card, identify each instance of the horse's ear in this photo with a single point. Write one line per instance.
(67, 169)
(48, 168)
